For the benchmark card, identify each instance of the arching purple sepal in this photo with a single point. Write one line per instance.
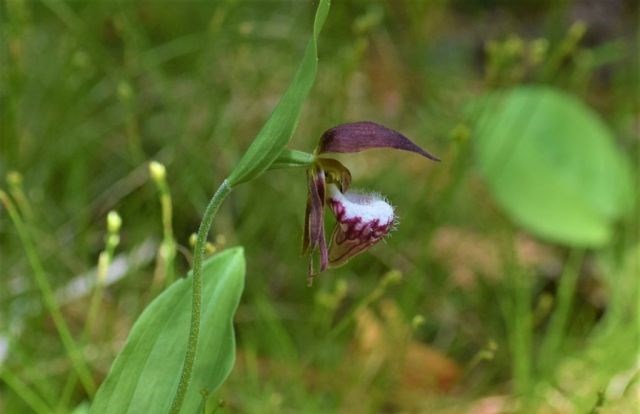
(360, 136)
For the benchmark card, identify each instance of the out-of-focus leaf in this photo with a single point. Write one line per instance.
(552, 164)
(143, 377)
(277, 131)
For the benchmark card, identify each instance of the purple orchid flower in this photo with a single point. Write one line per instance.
(362, 220)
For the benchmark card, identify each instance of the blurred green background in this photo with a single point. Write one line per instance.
(516, 294)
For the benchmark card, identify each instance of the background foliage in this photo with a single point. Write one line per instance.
(462, 310)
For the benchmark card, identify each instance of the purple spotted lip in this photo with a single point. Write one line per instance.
(362, 220)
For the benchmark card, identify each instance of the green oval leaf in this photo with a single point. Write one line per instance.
(143, 377)
(551, 163)
(277, 131)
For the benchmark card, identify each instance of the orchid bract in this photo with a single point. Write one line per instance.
(362, 219)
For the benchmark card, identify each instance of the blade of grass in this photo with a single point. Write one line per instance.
(564, 298)
(519, 319)
(22, 390)
(48, 297)
(105, 259)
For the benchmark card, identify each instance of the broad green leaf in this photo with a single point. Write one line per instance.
(145, 375)
(277, 131)
(552, 164)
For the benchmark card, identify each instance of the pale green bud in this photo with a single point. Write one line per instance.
(539, 48)
(114, 222)
(124, 90)
(577, 30)
(14, 178)
(417, 321)
(157, 171)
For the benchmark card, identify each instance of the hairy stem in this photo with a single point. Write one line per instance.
(196, 306)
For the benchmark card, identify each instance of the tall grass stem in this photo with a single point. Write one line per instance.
(74, 353)
(22, 390)
(564, 298)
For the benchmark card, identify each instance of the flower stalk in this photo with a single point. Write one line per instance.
(167, 250)
(196, 306)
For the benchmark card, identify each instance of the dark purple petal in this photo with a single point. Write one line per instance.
(360, 136)
(314, 226)
(305, 237)
(316, 216)
(324, 252)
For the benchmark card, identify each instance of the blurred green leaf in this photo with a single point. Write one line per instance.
(143, 377)
(277, 131)
(551, 163)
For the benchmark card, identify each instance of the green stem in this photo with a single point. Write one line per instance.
(564, 299)
(518, 286)
(22, 390)
(14, 179)
(196, 305)
(49, 298)
(522, 330)
(168, 244)
(293, 159)
(104, 262)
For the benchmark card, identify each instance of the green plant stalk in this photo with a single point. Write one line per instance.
(94, 306)
(196, 305)
(51, 305)
(168, 247)
(519, 319)
(560, 316)
(293, 159)
(17, 192)
(104, 262)
(522, 331)
(22, 390)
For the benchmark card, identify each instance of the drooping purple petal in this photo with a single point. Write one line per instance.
(316, 213)
(314, 228)
(360, 136)
(305, 237)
